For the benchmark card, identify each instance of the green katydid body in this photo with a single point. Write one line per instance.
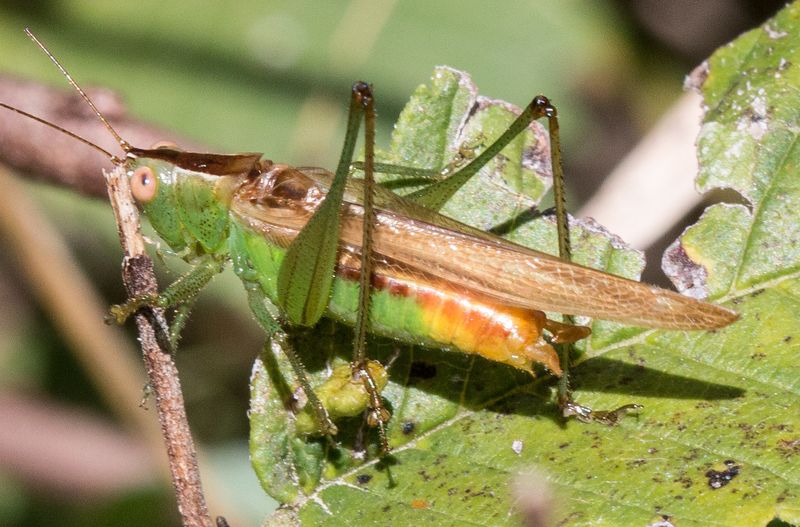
(252, 212)
(252, 218)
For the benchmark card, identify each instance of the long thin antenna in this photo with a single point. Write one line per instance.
(114, 159)
(122, 143)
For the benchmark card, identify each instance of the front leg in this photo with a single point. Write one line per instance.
(181, 291)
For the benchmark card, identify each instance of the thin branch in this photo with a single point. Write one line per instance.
(139, 279)
(51, 156)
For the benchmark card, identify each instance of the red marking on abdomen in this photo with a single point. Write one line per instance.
(471, 322)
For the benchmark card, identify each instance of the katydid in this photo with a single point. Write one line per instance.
(308, 244)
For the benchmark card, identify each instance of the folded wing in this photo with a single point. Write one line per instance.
(424, 241)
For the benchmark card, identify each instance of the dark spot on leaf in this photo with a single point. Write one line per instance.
(789, 447)
(757, 292)
(684, 480)
(363, 479)
(783, 427)
(750, 432)
(664, 521)
(624, 381)
(408, 427)
(563, 445)
(783, 496)
(691, 456)
(719, 478)
(787, 339)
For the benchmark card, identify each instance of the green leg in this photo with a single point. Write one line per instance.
(378, 415)
(368, 223)
(465, 154)
(182, 313)
(565, 401)
(436, 195)
(401, 170)
(305, 279)
(268, 317)
(565, 350)
(180, 291)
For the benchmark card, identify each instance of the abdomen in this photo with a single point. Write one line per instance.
(413, 308)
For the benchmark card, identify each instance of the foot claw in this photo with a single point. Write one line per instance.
(606, 417)
(117, 314)
(378, 416)
(327, 428)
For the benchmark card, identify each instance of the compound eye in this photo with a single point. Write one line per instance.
(168, 145)
(144, 184)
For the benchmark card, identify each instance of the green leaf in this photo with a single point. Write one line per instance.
(448, 123)
(464, 429)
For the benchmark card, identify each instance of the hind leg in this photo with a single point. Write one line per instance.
(566, 333)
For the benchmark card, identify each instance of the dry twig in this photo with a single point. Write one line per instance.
(139, 279)
(52, 156)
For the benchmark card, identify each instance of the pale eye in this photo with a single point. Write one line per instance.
(144, 184)
(169, 145)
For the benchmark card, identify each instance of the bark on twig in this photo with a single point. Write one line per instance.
(49, 155)
(139, 279)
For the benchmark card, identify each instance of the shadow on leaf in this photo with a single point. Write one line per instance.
(613, 376)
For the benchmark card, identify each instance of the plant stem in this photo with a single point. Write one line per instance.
(139, 279)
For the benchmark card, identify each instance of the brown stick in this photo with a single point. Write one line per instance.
(56, 158)
(139, 279)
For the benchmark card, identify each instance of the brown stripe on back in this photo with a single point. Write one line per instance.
(212, 164)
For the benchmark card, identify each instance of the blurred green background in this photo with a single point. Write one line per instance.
(274, 76)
